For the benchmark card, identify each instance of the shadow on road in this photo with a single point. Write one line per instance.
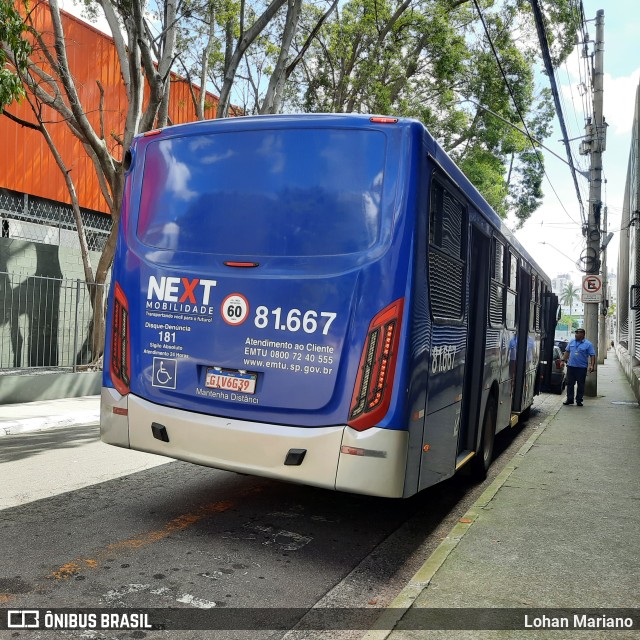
(21, 446)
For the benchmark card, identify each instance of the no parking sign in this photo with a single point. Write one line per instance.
(592, 288)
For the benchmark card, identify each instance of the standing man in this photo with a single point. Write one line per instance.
(580, 356)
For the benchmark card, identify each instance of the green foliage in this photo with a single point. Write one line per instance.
(12, 31)
(569, 322)
(425, 59)
(433, 61)
(569, 295)
(486, 172)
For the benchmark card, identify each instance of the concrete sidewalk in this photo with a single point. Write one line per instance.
(558, 528)
(37, 416)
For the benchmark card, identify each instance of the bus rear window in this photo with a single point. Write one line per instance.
(301, 192)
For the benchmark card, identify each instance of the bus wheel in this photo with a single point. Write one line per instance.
(482, 460)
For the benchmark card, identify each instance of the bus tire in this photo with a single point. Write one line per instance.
(482, 460)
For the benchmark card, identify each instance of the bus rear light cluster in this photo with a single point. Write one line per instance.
(120, 367)
(372, 392)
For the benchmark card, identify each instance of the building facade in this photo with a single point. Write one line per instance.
(628, 294)
(44, 304)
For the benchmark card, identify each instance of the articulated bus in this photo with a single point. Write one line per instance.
(322, 299)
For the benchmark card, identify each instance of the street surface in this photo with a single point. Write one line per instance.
(84, 524)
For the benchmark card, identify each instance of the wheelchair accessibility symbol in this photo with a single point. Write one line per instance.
(164, 373)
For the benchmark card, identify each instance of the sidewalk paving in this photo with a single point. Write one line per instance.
(37, 416)
(558, 528)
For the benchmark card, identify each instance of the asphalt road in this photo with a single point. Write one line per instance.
(178, 535)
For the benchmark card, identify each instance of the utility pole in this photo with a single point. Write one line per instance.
(596, 134)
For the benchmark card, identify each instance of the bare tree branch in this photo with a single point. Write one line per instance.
(246, 38)
(314, 32)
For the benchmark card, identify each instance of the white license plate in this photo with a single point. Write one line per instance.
(231, 380)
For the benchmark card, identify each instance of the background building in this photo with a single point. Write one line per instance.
(575, 310)
(628, 281)
(44, 307)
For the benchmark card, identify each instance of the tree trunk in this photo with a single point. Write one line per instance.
(231, 64)
(272, 102)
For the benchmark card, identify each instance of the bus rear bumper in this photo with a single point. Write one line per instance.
(374, 466)
(114, 425)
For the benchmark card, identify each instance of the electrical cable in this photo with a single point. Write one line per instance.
(515, 104)
(546, 57)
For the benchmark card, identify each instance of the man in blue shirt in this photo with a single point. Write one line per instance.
(580, 356)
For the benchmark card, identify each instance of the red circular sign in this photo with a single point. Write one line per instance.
(592, 284)
(234, 309)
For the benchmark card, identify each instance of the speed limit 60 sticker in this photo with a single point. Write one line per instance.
(234, 309)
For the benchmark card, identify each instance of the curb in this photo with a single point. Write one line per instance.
(26, 425)
(419, 583)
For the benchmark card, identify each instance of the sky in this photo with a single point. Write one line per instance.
(552, 235)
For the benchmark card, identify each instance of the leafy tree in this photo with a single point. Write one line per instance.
(569, 296)
(428, 59)
(432, 60)
(245, 48)
(12, 31)
(569, 322)
(41, 63)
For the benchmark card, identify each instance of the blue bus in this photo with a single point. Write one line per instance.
(322, 299)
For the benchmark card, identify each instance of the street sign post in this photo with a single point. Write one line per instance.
(592, 289)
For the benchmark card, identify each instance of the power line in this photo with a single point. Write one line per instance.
(497, 115)
(548, 244)
(546, 57)
(515, 103)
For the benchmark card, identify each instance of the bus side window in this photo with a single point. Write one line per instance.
(511, 278)
(536, 300)
(497, 302)
(447, 246)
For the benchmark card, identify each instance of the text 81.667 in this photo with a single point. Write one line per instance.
(294, 320)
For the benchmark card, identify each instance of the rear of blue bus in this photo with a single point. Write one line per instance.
(257, 319)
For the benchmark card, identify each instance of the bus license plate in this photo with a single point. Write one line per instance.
(231, 380)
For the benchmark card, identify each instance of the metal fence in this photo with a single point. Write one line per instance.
(45, 323)
(25, 217)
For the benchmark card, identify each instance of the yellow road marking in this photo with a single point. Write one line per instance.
(180, 523)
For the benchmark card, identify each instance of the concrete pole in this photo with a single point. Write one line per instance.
(597, 135)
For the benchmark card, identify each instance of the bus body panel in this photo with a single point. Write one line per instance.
(302, 323)
(242, 347)
(381, 470)
(290, 371)
(449, 317)
(375, 465)
(237, 445)
(114, 418)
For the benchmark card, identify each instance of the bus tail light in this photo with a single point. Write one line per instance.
(372, 392)
(383, 120)
(120, 366)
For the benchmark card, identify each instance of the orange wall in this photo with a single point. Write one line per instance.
(26, 164)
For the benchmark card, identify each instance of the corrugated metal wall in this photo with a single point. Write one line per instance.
(634, 244)
(629, 255)
(26, 164)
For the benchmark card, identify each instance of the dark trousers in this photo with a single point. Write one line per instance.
(576, 375)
